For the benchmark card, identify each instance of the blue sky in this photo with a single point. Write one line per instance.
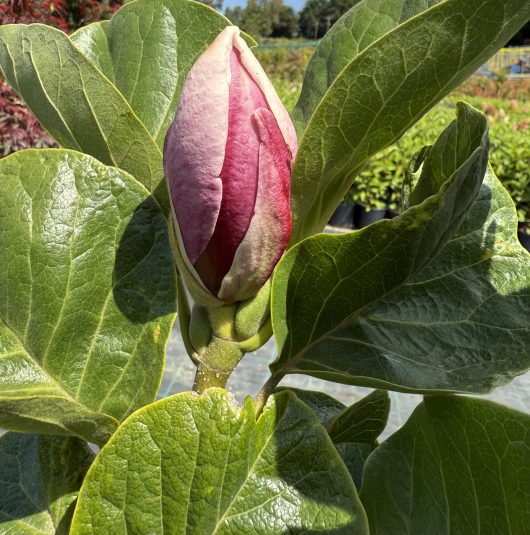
(295, 4)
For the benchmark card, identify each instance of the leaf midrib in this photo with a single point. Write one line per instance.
(249, 471)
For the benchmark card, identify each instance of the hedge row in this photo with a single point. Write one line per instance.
(380, 182)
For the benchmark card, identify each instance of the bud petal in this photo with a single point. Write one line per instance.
(227, 158)
(269, 231)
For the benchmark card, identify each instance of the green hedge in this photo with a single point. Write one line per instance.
(380, 182)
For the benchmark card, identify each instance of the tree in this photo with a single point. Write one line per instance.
(284, 21)
(256, 19)
(235, 15)
(318, 16)
(265, 18)
(312, 17)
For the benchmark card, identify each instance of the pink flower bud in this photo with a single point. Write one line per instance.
(227, 159)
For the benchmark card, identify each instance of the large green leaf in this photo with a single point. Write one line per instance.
(197, 465)
(80, 108)
(324, 288)
(147, 49)
(40, 477)
(459, 324)
(385, 90)
(87, 294)
(459, 466)
(366, 22)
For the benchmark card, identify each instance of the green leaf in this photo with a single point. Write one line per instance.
(197, 465)
(365, 23)
(40, 477)
(385, 90)
(412, 176)
(459, 466)
(459, 324)
(78, 106)
(325, 407)
(354, 456)
(326, 288)
(147, 50)
(363, 425)
(87, 294)
(364, 421)
(93, 41)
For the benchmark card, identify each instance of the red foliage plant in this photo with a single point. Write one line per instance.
(52, 12)
(19, 129)
(67, 15)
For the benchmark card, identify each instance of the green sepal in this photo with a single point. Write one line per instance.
(199, 328)
(252, 314)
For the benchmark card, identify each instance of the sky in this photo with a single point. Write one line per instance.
(295, 4)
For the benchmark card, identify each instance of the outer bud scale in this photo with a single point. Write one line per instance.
(227, 159)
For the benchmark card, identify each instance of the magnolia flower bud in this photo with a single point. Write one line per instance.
(227, 160)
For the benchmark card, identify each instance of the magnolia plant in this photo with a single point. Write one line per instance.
(183, 185)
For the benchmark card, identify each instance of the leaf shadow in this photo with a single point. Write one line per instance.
(41, 477)
(144, 283)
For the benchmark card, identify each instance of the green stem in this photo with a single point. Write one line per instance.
(208, 377)
(216, 363)
(266, 391)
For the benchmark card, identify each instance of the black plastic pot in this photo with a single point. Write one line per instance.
(343, 216)
(362, 217)
(524, 240)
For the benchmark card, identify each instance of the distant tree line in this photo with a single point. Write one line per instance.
(272, 18)
(265, 18)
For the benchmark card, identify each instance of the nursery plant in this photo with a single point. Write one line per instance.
(380, 182)
(182, 185)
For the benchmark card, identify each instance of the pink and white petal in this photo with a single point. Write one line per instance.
(194, 147)
(273, 100)
(239, 177)
(270, 228)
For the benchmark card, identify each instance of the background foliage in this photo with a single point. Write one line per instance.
(63, 14)
(505, 102)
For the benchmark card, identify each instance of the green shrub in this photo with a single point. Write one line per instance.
(381, 180)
